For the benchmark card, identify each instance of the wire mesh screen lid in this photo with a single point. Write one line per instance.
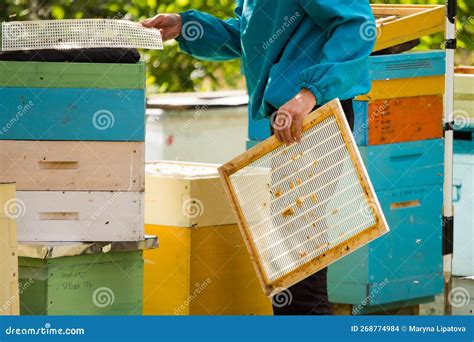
(78, 33)
(302, 207)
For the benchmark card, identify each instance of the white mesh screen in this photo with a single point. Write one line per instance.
(300, 201)
(75, 34)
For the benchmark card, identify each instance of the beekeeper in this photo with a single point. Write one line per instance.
(296, 55)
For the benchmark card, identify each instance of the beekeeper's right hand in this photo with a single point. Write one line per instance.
(168, 24)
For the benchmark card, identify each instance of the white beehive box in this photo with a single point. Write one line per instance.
(80, 216)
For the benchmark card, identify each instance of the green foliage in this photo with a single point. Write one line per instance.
(170, 70)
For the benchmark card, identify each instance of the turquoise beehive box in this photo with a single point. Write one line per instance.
(405, 264)
(72, 101)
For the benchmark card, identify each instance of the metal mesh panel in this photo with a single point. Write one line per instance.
(75, 34)
(302, 200)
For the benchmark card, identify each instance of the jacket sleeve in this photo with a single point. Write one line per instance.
(350, 33)
(208, 38)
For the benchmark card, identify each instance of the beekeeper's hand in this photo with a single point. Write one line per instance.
(288, 120)
(168, 24)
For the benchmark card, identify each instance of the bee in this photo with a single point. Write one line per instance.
(299, 202)
(288, 212)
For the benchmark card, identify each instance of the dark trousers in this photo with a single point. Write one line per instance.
(310, 296)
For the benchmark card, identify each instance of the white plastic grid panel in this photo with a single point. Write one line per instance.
(80, 33)
(302, 200)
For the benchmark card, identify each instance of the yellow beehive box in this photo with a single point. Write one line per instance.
(404, 87)
(202, 266)
(9, 292)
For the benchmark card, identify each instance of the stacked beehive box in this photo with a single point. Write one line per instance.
(202, 266)
(398, 127)
(9, 296)
(463, 258)
(97, 278)
(72, 138)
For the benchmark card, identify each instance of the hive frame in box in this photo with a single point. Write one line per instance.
(379, 227)
(397, 24)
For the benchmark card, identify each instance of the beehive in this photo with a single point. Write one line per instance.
(303, 206)
(202, 266)
(72, 137)
(9, 293)
(82, 278)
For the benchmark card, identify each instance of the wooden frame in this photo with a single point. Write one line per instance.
(380, 227)
(399, 24)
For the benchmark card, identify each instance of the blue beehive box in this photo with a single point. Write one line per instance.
(72, 101)
(404, 165)
(402, 265)
(406, 263)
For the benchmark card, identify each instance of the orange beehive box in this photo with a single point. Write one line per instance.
(398, 120)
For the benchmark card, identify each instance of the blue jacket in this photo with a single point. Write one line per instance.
(286, 45)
